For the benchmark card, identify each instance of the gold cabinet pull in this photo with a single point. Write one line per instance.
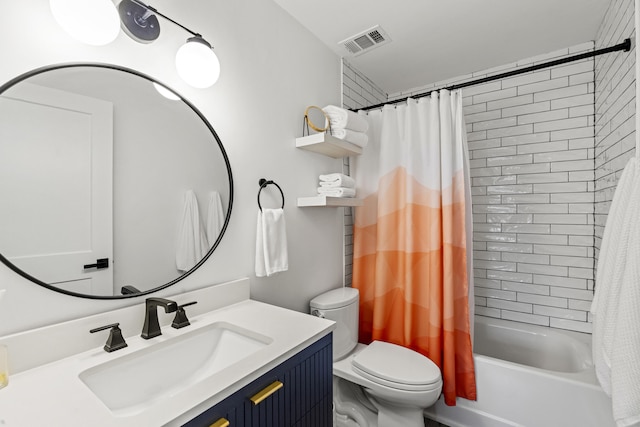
(222, 422)
(266, 392)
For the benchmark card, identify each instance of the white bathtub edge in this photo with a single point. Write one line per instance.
(466, 416)
(511, 394)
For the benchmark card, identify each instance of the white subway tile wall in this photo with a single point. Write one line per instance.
(531, 149)
(546, 151)
(615, 109)
(357, 92)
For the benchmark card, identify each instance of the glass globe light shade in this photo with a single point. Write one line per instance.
(94, 22)
(197, 64)
(166, 92)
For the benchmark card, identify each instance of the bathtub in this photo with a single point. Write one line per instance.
(529, 376)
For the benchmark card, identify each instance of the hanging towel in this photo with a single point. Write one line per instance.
(358, 138)
(337, 191)
(625, 343)
(345, 119)
(609, 271)
(616, 336)
(192, 242)
(271, 243)
(215, 218)
(337, 180)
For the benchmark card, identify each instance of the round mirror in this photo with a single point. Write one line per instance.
(112, 186)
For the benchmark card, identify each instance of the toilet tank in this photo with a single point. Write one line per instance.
(341, 306)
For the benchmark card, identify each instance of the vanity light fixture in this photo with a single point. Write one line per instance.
(196, 62)
(94, 22)
(97, 22)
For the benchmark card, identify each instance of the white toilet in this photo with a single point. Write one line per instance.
(379, 384)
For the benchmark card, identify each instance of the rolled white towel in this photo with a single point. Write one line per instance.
(358, 138)
(337, 180)
(337, 191)
(345, 119)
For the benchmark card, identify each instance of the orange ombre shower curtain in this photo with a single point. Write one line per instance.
(411, 236)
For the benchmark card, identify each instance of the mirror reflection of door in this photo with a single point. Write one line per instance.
(157, 150)
(61, 218)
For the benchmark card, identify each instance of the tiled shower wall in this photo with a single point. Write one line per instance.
(357, 92)
(615, 109)
(544, 169)
(531, 149)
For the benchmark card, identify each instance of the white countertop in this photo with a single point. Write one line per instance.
(53, 394)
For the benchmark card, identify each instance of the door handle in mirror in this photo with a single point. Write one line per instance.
(100, 264)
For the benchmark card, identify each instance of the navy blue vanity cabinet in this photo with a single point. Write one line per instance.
(296, 393)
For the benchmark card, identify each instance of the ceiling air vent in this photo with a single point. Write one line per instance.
(366, 40)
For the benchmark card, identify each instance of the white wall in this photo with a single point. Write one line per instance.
(272, 69)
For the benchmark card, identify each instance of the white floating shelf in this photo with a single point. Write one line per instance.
(329, 201)
(328, 145)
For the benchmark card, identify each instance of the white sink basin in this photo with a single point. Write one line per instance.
(127, 385)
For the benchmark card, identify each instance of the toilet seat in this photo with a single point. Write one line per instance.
(415, 372)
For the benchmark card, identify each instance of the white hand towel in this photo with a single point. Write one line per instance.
(215, 218)
(337, 191)
(192, 242)
(345, 119)
(358, 138)
(271, 243)
(337, 180)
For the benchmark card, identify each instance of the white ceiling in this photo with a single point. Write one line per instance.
(433, 40)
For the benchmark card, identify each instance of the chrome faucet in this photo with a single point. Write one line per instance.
(151, 326)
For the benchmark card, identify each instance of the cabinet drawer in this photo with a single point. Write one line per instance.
(297, 392)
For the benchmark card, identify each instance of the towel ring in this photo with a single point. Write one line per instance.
(263, 183)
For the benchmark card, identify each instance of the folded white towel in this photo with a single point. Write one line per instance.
(358, 138)
(337, 191)
(335, 184)
(271, 243)
(345, 119)
(215, 218)
(192, 242)
(337, 180)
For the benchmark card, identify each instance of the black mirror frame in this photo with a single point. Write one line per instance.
(40, 70)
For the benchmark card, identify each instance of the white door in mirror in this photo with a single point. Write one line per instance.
(65, 188)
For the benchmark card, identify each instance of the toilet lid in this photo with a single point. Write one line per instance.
(396, 366)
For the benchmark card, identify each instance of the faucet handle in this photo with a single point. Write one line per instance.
(115, 340)
(180, 321)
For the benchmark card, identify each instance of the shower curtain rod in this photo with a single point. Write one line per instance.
(625, 46)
